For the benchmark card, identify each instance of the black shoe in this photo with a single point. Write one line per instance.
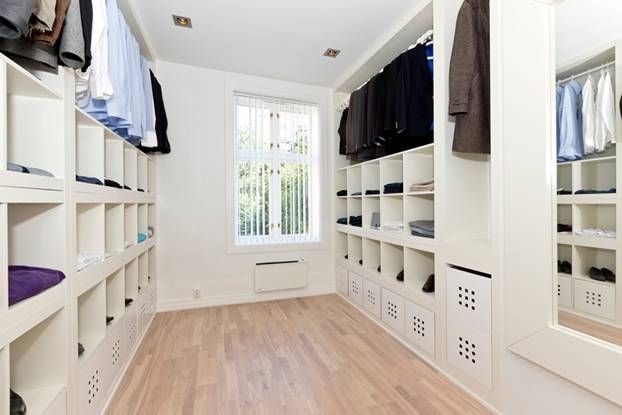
(346, 256)
(428, 287)
(109, 320)
(608, 275)
(400, 276)
(565, 267)
(128, 301)
(379, 268)
(18, 406)
(80, 349)
(596, 274)
(360, 262)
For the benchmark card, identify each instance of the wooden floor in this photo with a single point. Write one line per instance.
(584, 325)
(314, 355)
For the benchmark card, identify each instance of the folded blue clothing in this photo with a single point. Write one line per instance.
(141, 237)
(39, 172)
(16, 168)
(394, 188)
(31, 170)
(89, 180)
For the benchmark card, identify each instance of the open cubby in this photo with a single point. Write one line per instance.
(371, 255)
(90, 148)
(341, 208)
(419, 207)
(418, 266)
(131, 279)
(114, 160)
(151, 188)
(564, 215)
(586, 258)
(371, 205)
(564, 176)
(392, 208)
(131, 225)
(35, 132)
(153, 264)
(151, 220)
(391, 260)
(38, 363)
(130, 168)
(92, 319)
(143, 271)
(115, 295)
(391, 171)
(355, 207)
(91, 227)
(355, 249)
(143, 173)
(143, 219)
(370, 177)
(595, 216)
(598, 174)
(418, 168)
(564, 253)
(354, 181)
(341, 180)
(115, 232)
(341, 245)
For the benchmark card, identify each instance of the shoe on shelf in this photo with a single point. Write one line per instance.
(608, 275)
(400, 276)
(18, 406)
(109, 319)
(128, 301)
(80, 349)
(360, 262)
(346, 256)
(564, 267)
(428, 287)
(596, 274)
(379, 268)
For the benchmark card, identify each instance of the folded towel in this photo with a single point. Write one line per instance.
(423, 186)
(26, 282)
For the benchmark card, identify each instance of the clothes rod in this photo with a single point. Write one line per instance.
(589, 71)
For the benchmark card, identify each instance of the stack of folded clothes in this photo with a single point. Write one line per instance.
(112, 183)
(564, 267)
(372, 192)
(393, 227)
(597, 233)
(422, 228)
(342, 193)
(563, 191)
(26, 282)
(342, 221)
(89, 180)
(594, 192)
(29, 170)
(356, 194)
(356, 221)
(393, 188)
(422, 186)
(561, 227)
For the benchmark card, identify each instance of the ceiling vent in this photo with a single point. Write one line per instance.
(332, 53)
(182, 21)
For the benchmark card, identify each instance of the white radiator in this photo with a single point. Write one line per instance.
(281, 275)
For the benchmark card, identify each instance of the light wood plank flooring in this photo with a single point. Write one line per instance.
(315, 355)
(593, 328)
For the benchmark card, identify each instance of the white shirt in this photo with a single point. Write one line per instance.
(589, 116)
(99, 77)
(605, 113)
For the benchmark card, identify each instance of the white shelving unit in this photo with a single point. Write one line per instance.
(47, 222)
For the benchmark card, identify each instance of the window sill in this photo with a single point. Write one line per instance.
(233, 249)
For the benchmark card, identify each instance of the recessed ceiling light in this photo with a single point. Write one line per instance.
(182, 21)
(332, 53)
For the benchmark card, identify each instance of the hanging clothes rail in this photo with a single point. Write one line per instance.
(589, 71)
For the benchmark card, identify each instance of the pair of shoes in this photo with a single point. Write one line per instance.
(428, 287)
(379, 268)
(80, 349)
(109, 320)
(360, 262)
(564, 267)
(400, 276)
(128, 301)
(602, 274)
(18, 406)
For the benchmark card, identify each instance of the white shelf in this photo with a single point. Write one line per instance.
(40, 401)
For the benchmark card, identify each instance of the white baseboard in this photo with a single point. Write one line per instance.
(220, 300)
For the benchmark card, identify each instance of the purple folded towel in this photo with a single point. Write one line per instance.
(26, 282)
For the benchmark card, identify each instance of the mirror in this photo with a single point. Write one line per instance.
(589, 207)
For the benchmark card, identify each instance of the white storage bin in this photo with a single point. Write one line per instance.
(596, 299)
(342, 280)
(113, 355)
(142, 314)
(130, 330)
(564, 292)
(91, 381)
(468, 298)
(371, 298)
(420, 328)
(355, 291)
(470, 351)
(393, 310)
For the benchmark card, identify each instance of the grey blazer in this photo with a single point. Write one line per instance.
(469, 79)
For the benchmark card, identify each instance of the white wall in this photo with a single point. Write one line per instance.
(192, 194)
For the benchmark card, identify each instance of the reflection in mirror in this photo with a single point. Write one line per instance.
(588, 90)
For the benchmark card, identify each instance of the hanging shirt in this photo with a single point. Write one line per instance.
(605, 113)
(589, 116)
(571, 126)
(150, 139)
(559, 94)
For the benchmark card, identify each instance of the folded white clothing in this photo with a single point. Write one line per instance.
(597, 232)
(393, 227)
(85, 260)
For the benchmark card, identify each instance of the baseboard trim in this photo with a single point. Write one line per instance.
(220, 300)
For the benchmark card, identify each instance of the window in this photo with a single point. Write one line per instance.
(276, 171)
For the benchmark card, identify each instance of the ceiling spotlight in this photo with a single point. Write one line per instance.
(332, 53)
(182, 21)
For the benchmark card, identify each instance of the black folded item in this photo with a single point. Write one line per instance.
(109, 319)
(126, 187)
(140, 190)
(128, 301)
(89, 180)
(564, 267)
(342, 221)
(400, 276)
(372, 192)
(394, 188)
(594, 192)
(379, 268)
(428, 287)
(561, 227)
(356, 221)
(564, 192)
(360, 262)
(112, 183)
(80, 349)
(17, 406)
(356, 194)
(342, 193)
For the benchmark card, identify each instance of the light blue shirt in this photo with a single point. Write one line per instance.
(571, 123)
(559, 94)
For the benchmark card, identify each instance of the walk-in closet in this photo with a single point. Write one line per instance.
(310, 208)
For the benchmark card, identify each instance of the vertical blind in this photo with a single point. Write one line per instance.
(276, 162)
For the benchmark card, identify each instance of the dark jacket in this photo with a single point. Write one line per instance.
(342, 132)
(469, 79)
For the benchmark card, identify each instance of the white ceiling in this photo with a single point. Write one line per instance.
(282, 39)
